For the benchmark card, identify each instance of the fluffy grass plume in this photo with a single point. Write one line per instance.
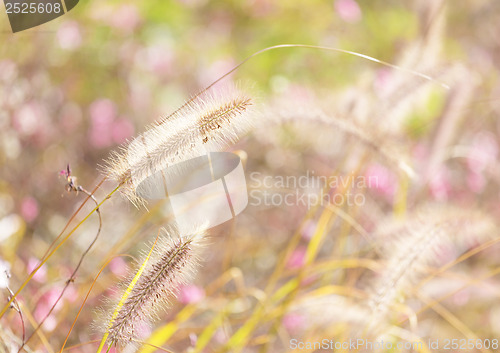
(172, 262)
(208, 122)
(413, 244)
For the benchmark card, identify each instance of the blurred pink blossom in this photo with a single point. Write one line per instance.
(122, 129)
(382, 180)
(348, 10)
(69, 35)
(382, 82)
(118, 266)
(193, 339)
(220, 336)
(484, 151)
(71, 294)
(462, 297)
(157, 58)
(445, 253)
(293, 323)
(126, 18)
(29, 119)
(308, 230)
(102, 111)
(41, 274)
(102, 115)
(216, 70)
(8, 70)
(44, 305)
(262, 8)
(297, 258)
(440, 185)
(476, 182)
(191, 294)
(29, 209)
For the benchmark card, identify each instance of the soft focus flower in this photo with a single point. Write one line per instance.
(382, 83)
(462, 297)
(308, 230)
(121, 130)
(69, 35)
(126, 18)
(476, 182)
(293, 322)
(29, 209)
(105, 129)
(440, 185)
(102, 111)
(193, 339)
(29, 119)
(157, 58)
(348, 10)
(484, 151)
(41, 274)
(4, 274)
(216, 70)
(8, 70)
(43, 307)
(118, 266)
(381, 179)
(191, 294)
(297, 258)
(102, 115)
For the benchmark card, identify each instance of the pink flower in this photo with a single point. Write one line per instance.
(308, 230)
(348, 10)
(102, 111)
(126, 18)
(476, 182)
(297, 258)
(30, 119)
(484, 151)
(191, 294)
(29, 209)
(216, 70)
(69, 35)
(121, 130)
(439, 185)
(193, 339)
(44, 305)
(157, 58)
(461, 298)
(118, 266)
(102, 114)
(382, 180)
(41, 274)
(8, 70)
(293, 323)
(382, 83)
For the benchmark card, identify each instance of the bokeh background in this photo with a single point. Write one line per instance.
(77, 87)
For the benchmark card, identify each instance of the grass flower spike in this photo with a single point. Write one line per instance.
(170, 264)
(208, 122)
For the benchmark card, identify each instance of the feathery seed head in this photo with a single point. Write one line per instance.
(413, 244)
(172, 263)
(207, 123)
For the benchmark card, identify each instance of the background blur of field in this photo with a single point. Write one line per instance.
(77, 87)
